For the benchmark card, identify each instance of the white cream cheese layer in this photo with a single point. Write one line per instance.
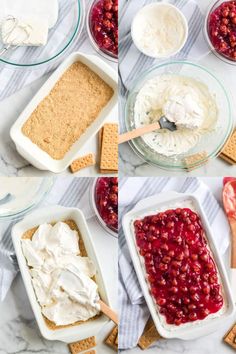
(183, 204)
(183, 100)
(61, 277)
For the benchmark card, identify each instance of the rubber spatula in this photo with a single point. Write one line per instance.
(163, 123)
(109, 312)
(229, 201)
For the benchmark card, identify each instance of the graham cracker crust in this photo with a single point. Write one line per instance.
(71, 107)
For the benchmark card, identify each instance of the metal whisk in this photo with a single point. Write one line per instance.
(15, 24)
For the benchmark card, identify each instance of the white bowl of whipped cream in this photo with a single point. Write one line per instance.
(159, 30)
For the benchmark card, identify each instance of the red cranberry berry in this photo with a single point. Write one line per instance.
(104, 25)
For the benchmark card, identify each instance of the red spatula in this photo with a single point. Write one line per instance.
(229, 201)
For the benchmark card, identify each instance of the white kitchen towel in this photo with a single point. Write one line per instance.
(133, 309)
(14, 78)
(66, 191)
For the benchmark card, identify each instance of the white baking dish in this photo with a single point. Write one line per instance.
(147, 207)
(54, 214)
(30, 151)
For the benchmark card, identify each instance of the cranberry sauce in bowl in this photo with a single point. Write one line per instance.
(105, 203)
(221, 29)
(182, 275)
(102, 25)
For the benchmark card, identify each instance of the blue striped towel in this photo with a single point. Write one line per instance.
(132, 62)
(66, 191)
(133, 309)
(13, 79)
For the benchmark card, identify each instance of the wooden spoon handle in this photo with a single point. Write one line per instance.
(109, 312)
(232, 223)
(138, 132)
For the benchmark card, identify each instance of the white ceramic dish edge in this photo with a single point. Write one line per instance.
(148, 205)
(30, 151)
(54, 214)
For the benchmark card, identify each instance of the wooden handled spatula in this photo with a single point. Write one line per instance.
(163, 123)
(109, 312)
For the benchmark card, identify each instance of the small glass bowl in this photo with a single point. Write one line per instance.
(219, 55)
(111, 231)
(43, 189)
(210, 144)
(104, 53)
(68, 27)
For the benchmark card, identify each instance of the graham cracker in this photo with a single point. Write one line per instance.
(111, 338)
(82, 345)
(149, 336)
(91, 352)
(117, 339)
(109, 148)
(230, 337)
(196, 160)
(82, 162)
(108, 172)
(228, 153)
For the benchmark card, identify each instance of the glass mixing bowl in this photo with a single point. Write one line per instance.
(210, 143)
(219, 54)
(66, 30)
(94, 198)
(104, 53)
(15, 206)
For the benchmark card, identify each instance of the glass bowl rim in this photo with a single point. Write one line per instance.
(79, 23)
(129, 95)
(104, 54)
(49, 182)
(94, 207)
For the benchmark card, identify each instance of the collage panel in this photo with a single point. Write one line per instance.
(58, 257)
(176, 281)
(59, 89)
(177, 96)
(117, 176)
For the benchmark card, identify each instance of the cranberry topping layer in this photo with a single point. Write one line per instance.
(106, 199)
(104, 25)
(222, 29)
(180, 270)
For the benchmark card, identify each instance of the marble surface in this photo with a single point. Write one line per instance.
(132, 165)
(211, 344)
(19, 332)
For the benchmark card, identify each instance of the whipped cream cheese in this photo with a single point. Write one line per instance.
(183, 100)
(60, 276)
(180, 204)
(159, 30)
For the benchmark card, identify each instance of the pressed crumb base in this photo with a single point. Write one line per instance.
(70, 108)
(71, 223)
